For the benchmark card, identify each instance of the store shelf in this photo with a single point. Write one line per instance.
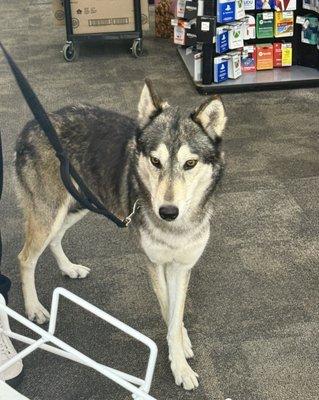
(278, 78)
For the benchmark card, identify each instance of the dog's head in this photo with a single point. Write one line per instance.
(179, 159)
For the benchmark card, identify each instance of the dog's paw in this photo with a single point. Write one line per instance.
(187, 344)
(184, 375)
(75, 271)
(37, 313)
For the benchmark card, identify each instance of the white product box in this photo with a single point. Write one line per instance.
(236, 35)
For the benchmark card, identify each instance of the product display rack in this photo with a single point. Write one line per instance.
(303, 73)
(71, 47)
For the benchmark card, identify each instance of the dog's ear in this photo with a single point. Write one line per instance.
(211, 117)
(150, 104)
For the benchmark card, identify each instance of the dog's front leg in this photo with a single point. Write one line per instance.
(177, 277)
(159, 283)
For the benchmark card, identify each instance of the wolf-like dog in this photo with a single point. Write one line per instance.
(170, 164)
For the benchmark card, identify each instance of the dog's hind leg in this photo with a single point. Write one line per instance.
(159, 283)
(177, 280)
(39, 232)
(66, 266)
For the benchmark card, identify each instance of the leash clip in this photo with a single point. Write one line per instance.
(128, 219)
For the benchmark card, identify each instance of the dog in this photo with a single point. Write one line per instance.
(170, 164)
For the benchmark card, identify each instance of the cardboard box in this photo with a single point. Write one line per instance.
(100, 16)
(265, 56)
(284, 24)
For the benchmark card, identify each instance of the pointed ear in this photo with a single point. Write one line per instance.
(211, 117)
(150, 104)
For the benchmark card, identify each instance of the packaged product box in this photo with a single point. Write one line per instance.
(234, 65)
(249, 27)
(179, 35)
(265, 25)
(265, 56)
(248, 58)
(309, 31)
(184, 36)
(285, 5)
(222, 39)
(225, 11)
(265, 4)
(220, 69)
(99, 16)
(198, 66)
(284, 23)
(207, 7)
(282, 54)
(308, 4)
(277, 55)
(235, 35)
(186, 9)
(239, 9)
(182, 22)
(249, 4)
(286, 49)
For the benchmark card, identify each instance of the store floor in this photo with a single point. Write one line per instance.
(253, 304)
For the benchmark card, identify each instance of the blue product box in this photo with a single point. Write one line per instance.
(225, 11)
(220, 69)
(222, 41)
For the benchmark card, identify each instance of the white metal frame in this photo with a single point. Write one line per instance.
(138, 387)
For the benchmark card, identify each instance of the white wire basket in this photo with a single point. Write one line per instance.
(139, 388)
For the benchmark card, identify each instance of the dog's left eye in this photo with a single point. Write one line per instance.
(156, 162)
(190, 164)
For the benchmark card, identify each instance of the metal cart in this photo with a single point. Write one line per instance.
(71, 47)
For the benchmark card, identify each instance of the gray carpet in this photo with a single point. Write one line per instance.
(253, 304)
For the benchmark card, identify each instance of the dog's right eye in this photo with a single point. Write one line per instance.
(156, 162)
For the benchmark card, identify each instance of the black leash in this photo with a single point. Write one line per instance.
(83, 195)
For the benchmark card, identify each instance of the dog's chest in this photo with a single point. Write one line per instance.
(167, 247)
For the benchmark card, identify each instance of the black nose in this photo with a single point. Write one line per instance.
(169, 213)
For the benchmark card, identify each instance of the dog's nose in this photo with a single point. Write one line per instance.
(169, 213)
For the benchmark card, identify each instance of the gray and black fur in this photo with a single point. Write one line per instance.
(168, 163)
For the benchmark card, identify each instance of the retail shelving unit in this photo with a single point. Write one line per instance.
(303, 73)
